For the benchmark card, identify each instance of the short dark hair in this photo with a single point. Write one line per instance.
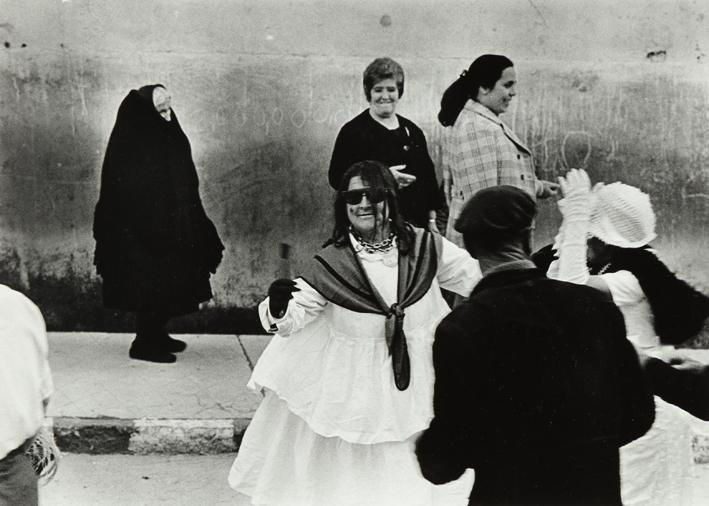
(484, 71)
(379, 70)
(375, 174)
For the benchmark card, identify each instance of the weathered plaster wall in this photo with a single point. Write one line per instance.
(261, 88)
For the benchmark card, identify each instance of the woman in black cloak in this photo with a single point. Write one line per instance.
(155, 245)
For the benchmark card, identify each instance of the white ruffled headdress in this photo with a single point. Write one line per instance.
(621, 215)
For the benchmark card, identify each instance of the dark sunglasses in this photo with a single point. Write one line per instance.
(374, 195)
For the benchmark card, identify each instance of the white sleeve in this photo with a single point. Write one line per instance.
(39, 330)
(571, 241)
(624, 287)
(304, 307)
(457, 270)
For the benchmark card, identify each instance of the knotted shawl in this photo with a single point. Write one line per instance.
(340, 277)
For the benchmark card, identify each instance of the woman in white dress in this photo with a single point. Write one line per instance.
(607, 231)
(348, 380)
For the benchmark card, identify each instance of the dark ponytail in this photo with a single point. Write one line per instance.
(484, 71)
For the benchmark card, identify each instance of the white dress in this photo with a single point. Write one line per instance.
(656, 469)
(333, 429)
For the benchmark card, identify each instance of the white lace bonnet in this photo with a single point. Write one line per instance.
(622, 215)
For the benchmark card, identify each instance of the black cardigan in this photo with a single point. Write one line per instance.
(363, 138)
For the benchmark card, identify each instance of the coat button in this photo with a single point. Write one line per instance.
(519, 156)
(521, 176)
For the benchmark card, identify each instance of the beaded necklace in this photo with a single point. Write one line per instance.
(603, 269)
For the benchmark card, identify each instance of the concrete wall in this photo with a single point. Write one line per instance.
(262, 87)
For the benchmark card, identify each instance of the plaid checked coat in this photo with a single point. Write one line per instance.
(480, 151)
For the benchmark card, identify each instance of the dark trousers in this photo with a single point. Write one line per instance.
(18, 481)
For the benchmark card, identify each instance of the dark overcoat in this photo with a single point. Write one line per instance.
(536, 389)
(155, 245)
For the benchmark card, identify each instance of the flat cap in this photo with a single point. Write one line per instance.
(498, 211)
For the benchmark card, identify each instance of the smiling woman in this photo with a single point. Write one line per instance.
(378, 133)
(366, 210)
(383, 99)
(479, 150)
(348, 380)
(498, 98)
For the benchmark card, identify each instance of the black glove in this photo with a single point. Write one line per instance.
(279, 293)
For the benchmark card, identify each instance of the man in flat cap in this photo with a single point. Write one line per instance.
(536, 386)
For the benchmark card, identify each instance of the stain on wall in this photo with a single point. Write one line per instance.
(261, 89)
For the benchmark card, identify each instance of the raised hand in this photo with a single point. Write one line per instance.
(279, 293)
(576, 189)
(576, 182)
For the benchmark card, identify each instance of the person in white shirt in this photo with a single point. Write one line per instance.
(604, 243)
(25, 388)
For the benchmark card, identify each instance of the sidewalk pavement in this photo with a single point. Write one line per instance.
(104, 402)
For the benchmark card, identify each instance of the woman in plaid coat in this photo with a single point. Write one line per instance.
(479, 150)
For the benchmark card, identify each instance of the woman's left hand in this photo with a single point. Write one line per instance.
(550, 189)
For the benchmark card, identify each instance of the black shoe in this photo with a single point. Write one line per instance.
(140, 352)
(172, 345)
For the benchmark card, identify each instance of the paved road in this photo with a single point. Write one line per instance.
(108, 480)
(132, 480)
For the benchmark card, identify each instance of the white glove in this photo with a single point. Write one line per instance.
(575, 208)
(576, 190)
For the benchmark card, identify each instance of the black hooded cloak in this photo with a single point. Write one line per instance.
(155, 245)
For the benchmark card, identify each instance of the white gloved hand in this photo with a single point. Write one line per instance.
(575, 208)
(576, 190)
